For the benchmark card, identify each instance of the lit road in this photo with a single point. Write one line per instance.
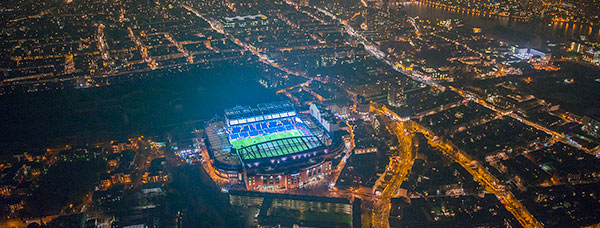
(459, 44)
(143, 49)
(398, 168)
(141, 163)
(18, 223)
(435, 110)
(101, 41)
(207, 164)
(342, 164)
(404, 129)
(211, 171)
(218, 27)
(304, 86)
(480, 174)
(374, 50)
(554, 134)
(180, 48)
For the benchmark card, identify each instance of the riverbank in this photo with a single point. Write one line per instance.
(541, 32)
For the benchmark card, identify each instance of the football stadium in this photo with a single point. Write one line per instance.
(271, 146)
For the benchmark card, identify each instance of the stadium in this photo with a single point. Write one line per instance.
(271, 146)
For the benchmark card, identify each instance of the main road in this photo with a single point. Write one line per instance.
(480, 174)
(404, 129)
(218, 27)
(398, 168)
(417, 76)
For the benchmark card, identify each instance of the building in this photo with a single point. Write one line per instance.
(450, 211)
(324, 117)
(591, 126)
(156, 172)
(270, 147)
(245, 21)
(341, 111)
(365, 150)
(577, 47)
(123, 145)
(289, 210)
(530, 53)
(396, 97)
(592, 55)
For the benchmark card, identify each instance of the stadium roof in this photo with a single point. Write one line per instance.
(266, 111)
(219, 145)
(279, 147)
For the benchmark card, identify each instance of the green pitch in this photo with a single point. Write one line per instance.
(259, 139)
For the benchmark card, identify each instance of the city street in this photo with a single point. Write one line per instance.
(483, 176)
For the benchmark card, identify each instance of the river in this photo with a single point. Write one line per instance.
(534, 33)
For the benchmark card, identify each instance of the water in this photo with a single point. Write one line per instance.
(138, 107)
(518, 32)
(579, 97)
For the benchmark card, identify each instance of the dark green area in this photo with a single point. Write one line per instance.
(144, 106)
(67, 182)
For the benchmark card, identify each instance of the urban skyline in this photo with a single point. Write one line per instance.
(300, 113)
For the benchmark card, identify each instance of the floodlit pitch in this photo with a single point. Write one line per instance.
(237, 144)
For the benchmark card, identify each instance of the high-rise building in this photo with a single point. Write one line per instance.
(324, 117)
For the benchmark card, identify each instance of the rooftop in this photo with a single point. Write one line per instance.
(279, 147)
(289, 196)
(266, 111)
(242, 18)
